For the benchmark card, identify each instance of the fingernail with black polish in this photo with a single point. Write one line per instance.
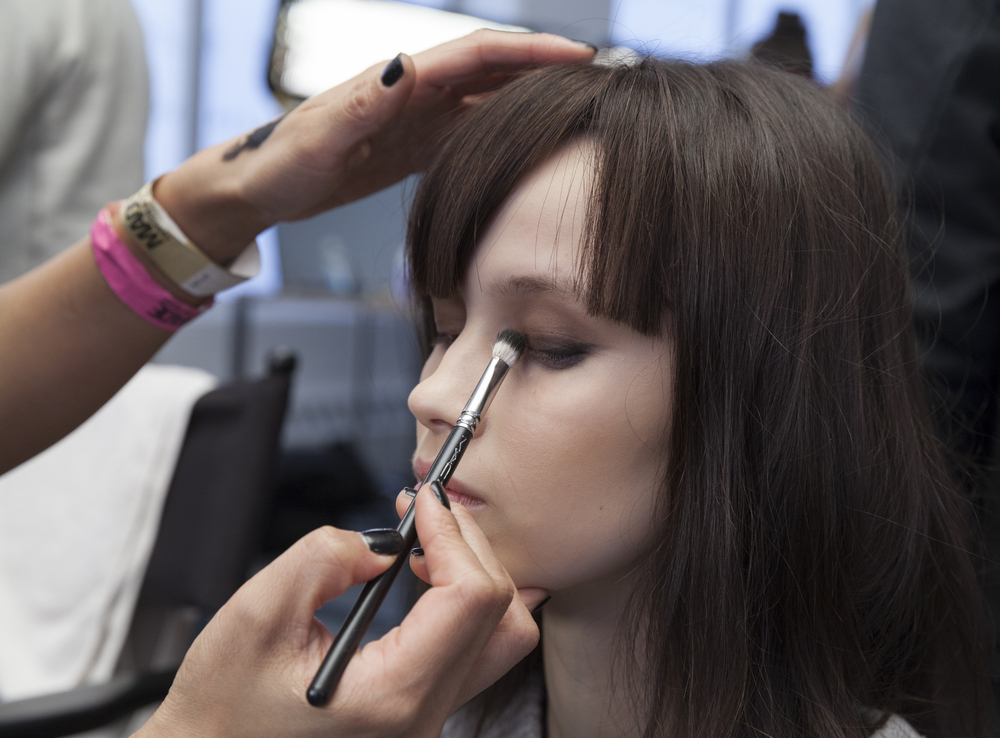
(585, 43)
(383, 540)
(418, 551)
(393, 71)
(409, 491)
(541, 604)
(441, 495)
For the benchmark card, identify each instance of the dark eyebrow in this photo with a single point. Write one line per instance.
(528, 286)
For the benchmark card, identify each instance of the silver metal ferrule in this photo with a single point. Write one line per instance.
(483, 395)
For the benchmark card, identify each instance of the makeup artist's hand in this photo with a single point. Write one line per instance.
(246, 675)
(347, 142)
(62, 326)
(516, 633)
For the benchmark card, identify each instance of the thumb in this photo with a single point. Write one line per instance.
(533, 597)
(361, 106)
(319, 567)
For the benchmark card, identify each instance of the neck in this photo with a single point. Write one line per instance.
(580, 629)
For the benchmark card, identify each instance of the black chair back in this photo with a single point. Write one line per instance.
(220, 492)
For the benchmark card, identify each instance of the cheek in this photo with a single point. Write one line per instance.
(583, 469)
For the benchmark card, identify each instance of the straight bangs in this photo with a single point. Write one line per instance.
(625, 246)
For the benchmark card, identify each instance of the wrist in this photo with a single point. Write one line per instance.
(207, 204)
(148, 264)
(164, 724)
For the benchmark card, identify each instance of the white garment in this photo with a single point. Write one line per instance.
(77, 527)
(74, 98)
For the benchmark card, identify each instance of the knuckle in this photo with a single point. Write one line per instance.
(402, 716)
(393, 722)
(526, 636)
(325, 546)
(462, 516)
(411, 707)
(245, 613)
(483, 595)
(358, 103)
(321, 540)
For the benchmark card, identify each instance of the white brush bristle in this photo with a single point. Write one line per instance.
(509, 346)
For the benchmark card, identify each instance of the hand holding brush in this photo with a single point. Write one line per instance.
(507, 351)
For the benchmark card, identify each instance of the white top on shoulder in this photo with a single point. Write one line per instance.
(73, 122)
(523, 716)
(896, 727)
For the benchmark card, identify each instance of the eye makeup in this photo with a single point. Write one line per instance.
(547, 322)
(556, 353)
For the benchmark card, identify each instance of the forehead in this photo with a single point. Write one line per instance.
(534, 241)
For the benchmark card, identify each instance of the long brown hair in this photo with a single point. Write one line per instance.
(813, 558)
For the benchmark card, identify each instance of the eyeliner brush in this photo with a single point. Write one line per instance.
(506, 352)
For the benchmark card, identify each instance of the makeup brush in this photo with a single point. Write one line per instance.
(506, 352)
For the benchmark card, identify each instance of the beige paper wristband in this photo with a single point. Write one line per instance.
(149, 225)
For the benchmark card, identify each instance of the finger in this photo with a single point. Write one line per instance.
(361, 106)
(486, 52)
(444, 633)
(481, 86)
(318, 568)
(460, 582)
(527, 597)
(473, 535)
(448, 555)
(403, 501)
(419, 566)
(516, 633)
(532, 597)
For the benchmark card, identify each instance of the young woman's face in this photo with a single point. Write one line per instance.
(564, 469)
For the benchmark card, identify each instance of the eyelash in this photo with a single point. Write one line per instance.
(556, 357)
(559, 357)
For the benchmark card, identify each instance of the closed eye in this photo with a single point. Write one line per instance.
(445, 339)
(559, 356)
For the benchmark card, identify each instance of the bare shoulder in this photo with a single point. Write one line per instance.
(896, 727)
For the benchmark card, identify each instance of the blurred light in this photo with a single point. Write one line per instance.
(717, 29)
(170, 55)
(672, 28)
(329, 41)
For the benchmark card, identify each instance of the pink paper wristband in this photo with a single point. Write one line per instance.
(129, 280)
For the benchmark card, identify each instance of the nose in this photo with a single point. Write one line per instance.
(447, 383)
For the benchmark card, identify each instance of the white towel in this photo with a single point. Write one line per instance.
(77, 526)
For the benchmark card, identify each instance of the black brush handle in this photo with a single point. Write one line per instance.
(360, 618)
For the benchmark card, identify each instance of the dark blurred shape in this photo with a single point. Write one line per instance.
(929, 92)
(786, 47)
(316, 487)
(85, 708)
(281, 361)
(220, 493)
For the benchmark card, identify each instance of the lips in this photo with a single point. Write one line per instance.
(457, 492)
